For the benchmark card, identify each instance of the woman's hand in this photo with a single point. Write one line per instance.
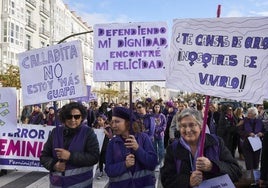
(60, 166)
(203, 164)
(62, 154)
(196, 178)
(131, 143)
(260, 134)
(130, 160)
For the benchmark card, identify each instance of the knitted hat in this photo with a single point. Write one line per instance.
(51, 108)
(170, 104)
(39, 105)
(149, 100)
(122, 112)
(104, 117)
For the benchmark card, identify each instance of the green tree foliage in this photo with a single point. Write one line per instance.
(11, 77)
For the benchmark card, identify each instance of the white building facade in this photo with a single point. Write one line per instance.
(31, 24)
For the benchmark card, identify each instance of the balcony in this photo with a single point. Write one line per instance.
(31, 3)
(43, 32)
(44, 11)
(31, 26)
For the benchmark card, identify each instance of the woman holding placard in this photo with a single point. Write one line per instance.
(183, 165)
(252, 128)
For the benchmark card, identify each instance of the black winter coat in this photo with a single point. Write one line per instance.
(225, 165)
(88, 157)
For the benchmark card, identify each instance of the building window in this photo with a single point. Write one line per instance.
(5, 32)
(42, 3)
(5, 7)
(12, 58)
(28, 17)
(28, 42)
(21, 36)
(12, 32)
(42, 44)
(4, 56)
(12, 7)
(43, 24)
(17, 34)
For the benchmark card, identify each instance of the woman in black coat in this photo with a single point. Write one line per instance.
(182, 165)
(71, 150)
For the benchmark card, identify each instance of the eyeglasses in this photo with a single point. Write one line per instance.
(190, 125)
(76, 117)
(139, 106)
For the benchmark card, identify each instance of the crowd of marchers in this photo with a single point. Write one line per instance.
(148, 136)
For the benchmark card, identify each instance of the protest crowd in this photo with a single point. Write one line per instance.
(149, 142)
(153, 135)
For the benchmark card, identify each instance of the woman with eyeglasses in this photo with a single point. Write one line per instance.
(183, 165)
(71, 149)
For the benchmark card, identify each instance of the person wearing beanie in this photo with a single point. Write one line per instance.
(37, 116)
(130, 156)
(51, 117)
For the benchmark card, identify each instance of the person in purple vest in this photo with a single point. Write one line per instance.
(130, 155)
(183, 165)
(71, 150)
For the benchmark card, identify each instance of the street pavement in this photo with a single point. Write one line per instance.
(31, 179)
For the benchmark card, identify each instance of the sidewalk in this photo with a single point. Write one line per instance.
(27, 179)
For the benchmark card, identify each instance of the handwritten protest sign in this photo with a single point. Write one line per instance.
(223, 57)
(217, 182)
(21, 148)
(8, 109)
(130, 51)
(266, 90)
(84, 98)
(52, 73)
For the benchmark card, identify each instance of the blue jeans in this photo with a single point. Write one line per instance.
(159, 148)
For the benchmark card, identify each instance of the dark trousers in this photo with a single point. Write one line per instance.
(252, 159)
(102, 160)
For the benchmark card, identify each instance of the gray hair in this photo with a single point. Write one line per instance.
(191, 113)
(253, 110)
